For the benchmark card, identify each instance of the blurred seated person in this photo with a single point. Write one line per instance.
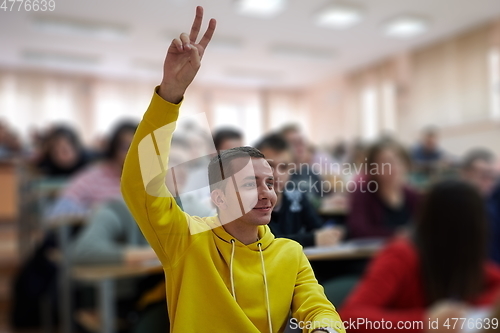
(99, 182)
(495, 223)
(382, 203)
(439, 271)
(293, 216)
(197, 180)
(427, 156)
(340, 152)
(303, 176)
(188, 198)
(62, 153)
(227, 138)
(9, 142)
(92, 186)
(112, 237)
(478, 168)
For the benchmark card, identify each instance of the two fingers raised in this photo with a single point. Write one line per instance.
(186, 43)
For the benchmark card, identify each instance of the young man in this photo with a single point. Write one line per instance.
(225, 273)
(478, 168)
(293, 215)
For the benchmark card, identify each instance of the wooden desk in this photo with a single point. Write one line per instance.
(96, 273)
(9, 199)
(355, 249)
(104, 277)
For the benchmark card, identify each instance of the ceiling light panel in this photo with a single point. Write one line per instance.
(406, 26)
(260, 8)
(339, 16)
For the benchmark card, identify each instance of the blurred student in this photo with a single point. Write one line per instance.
(10, 145)
(191, 197)
(495, 223)
(99, 182)
(304, 176)
(227, 138)
(197, 179)
(426, 155)
(62, 153)
(293, 216)
(439, 272)
(382, 204)
(478, 168)
(226, 273)
(112, 237)
(92, 186)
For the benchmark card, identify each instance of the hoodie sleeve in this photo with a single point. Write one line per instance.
(165, 226)
(309, 304)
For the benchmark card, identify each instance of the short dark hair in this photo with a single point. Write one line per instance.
(114, 141)
(477, 154)
(220, 167)
(224, 134)
(289, 128)
(273, 141)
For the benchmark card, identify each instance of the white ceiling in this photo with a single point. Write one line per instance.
(152, 23)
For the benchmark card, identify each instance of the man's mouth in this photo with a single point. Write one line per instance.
(263, 208)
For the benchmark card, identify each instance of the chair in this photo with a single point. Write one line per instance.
(338, 289)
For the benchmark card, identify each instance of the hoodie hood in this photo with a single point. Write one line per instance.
(265, 237)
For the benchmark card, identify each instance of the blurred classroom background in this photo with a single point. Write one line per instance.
(415, 84)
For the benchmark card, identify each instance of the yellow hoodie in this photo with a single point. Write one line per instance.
(214, 283)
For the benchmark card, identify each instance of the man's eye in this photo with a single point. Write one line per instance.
(270, 185)
(249, 184)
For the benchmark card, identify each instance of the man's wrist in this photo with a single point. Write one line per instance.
(170, 94)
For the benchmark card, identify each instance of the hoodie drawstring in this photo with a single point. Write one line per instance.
(231, 269)
(268, 305)
(231, 277)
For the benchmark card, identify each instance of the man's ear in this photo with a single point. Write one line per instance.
(218, 198)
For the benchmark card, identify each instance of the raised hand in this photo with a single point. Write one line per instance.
(184, 59)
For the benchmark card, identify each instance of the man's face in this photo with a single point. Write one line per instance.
(482, 175)
(231, 143)
(281, 163)
(249, 195)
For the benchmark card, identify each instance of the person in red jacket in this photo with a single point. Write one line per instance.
(382, 204)
(439, 272)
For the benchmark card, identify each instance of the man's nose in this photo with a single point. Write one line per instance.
(263, 192)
